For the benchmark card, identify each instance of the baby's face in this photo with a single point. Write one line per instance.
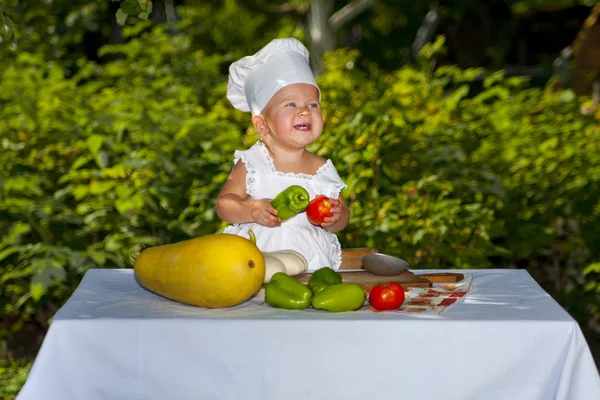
(294, 115)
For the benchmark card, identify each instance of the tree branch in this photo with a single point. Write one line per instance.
(282, 10)
(348, 13)
(427, 30)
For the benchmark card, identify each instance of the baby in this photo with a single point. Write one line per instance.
(278, 87)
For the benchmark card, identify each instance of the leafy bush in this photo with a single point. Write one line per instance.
(13, 374)
(95, 167)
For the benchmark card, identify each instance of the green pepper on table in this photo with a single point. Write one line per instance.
(290, 202)
(322, 278)
(283, 291)
(340, 297)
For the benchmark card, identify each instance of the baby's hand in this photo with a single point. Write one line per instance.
(336, 210)
(262, 212)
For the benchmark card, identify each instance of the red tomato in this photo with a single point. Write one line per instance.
(319, 209)
(389, 296)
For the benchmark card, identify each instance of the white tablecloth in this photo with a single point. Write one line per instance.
(508, 339)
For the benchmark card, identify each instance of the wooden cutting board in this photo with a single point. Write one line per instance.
(351, 260)
(405, 279)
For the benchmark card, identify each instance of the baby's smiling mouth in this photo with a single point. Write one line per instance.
(303, 127)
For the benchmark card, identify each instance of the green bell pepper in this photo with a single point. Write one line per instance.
(290, 202)
(283, 291)
(340, 297)
(322, 278)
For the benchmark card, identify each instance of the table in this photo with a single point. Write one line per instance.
(508, 339)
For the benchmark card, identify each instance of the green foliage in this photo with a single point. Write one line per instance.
(137, 8)
(12, 375)
(91, 172)
(412, 184)
(591, 275)
(54, 30)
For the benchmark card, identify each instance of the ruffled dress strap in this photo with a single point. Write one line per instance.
(254, 161)
(333, 181)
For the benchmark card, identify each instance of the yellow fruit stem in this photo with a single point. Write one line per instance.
(252, 236)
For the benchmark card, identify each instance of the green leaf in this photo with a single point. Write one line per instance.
(101, 187)
(123, 191)
(594, 267)
(81, 161)
(99, 257)
(102, 159)
(60, 194)
(146, 13)
(94, 143)
(8, 26)
(567, 96)
(37, 290)
(95, 218)
(80, 191)
(121, 17)
(130, 205)
(418, 236)
(7, 252)
(78, 259)
(131, 7)
(16, 274)
(16, 232)
(45, 271)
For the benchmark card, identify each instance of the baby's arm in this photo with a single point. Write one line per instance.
(236, 207)
(341, 215)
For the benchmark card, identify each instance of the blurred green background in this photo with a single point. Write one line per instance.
(469, 137)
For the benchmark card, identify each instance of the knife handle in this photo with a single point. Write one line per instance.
(442, 277)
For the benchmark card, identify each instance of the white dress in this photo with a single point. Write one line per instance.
(320, 247)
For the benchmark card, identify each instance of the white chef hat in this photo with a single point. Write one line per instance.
(253, 80)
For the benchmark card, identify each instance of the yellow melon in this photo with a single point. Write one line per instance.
(213, 271)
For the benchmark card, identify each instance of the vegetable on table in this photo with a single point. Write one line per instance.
(295, 263)
(340, 297)
(285, 292)
(290, 202)
(273, 265)
(214, 271)
(289, 262)
(318, 209)
(322, 278)
(389, 296)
